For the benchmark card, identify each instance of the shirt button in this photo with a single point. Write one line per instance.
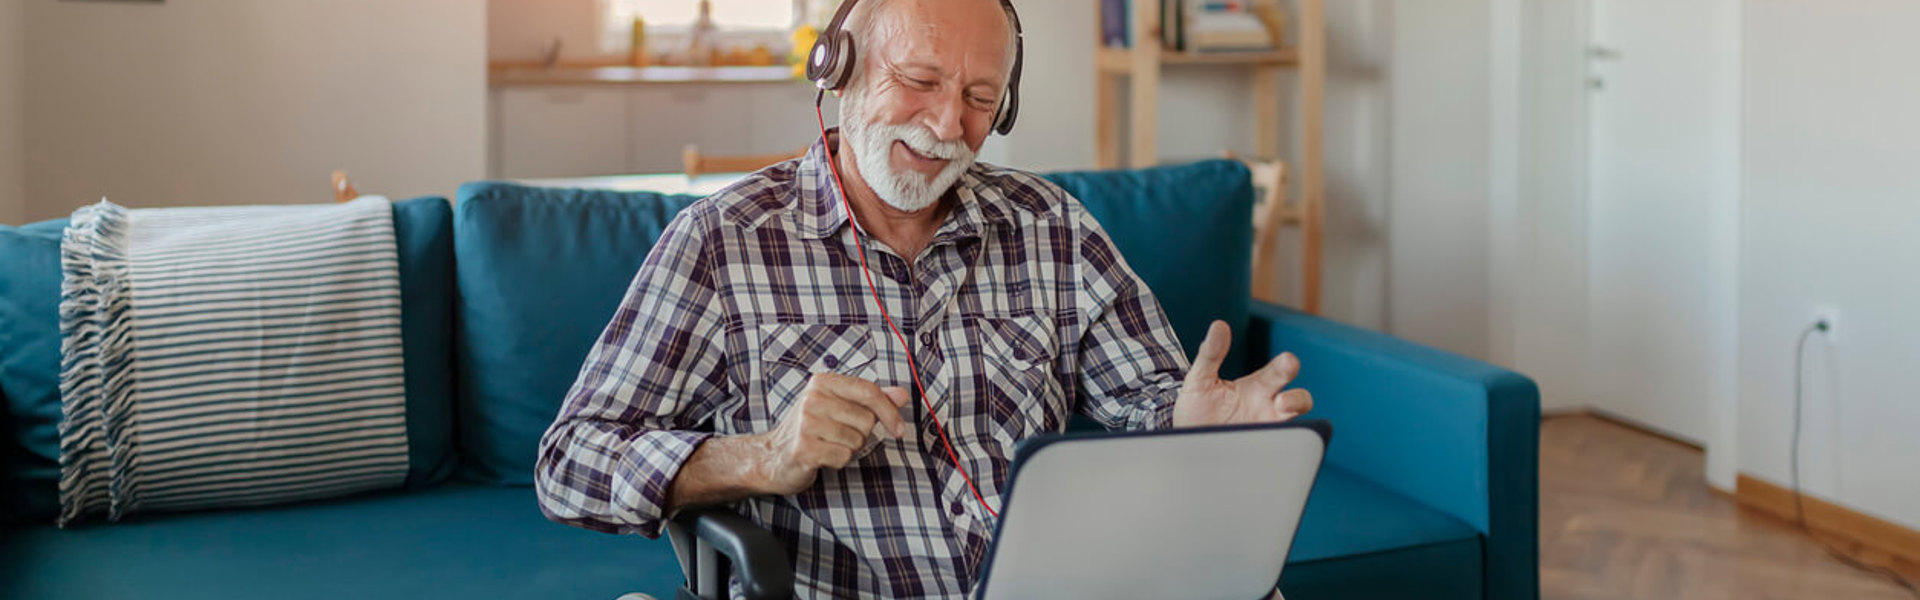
(929, 339)
(831, 361)
(957, 508)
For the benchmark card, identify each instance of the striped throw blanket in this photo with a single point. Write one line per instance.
(216, 357)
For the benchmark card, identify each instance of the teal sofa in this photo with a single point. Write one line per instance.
(1429, 490)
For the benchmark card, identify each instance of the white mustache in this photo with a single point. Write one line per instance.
(922, 140)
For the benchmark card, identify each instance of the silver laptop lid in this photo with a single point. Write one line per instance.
(1186, 513)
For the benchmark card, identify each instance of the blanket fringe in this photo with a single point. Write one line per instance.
(96, 380)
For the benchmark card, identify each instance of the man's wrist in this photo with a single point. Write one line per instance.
(756, 476)
(724, 469)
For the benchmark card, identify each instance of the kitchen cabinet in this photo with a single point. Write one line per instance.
(546, 130)
(561, 132)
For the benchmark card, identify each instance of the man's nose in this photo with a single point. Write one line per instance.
(946, 119)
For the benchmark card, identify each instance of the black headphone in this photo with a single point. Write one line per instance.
(830, 64)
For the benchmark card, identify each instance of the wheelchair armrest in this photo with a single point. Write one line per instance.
(701, 535)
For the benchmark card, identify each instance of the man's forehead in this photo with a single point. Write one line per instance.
(947, 35)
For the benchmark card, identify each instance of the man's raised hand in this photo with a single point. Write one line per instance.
(1205, 399)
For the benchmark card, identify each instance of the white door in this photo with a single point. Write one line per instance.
(1663, 178)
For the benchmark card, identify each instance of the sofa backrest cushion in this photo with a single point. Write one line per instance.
(30, 371)
(30, 354)
(541, 271)
(423, 230)
(1187, 230)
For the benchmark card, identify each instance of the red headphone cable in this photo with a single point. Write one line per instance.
(912, 366)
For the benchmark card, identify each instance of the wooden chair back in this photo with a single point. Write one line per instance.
(1272, 211)
(343, 188)
(697, 164)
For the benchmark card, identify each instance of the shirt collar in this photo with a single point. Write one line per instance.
(822, 212)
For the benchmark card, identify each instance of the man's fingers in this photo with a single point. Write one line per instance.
(835, 410)
(866, 394)
(899, 395)
(1292, 403)
(1213, 351)
(839, 434)
(1279, 372)
(830, 456)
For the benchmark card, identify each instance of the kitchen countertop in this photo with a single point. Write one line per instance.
(564, 75)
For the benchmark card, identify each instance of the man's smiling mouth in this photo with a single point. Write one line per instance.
(916, 154)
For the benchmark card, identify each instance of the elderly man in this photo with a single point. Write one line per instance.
(750, 362)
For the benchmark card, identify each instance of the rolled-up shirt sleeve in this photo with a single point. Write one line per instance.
(1131, 363)
(650, 383)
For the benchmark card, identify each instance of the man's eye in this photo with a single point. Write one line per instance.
(920, 83)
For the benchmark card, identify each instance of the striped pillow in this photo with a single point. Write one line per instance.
(219, 357)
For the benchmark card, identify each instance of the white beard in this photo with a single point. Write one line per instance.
(872, 145)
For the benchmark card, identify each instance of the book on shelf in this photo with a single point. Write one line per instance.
(1224, 26)
(1172, 31)
(1114, 20)
(1200, 25)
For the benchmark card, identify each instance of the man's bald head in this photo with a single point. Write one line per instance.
(874, 23)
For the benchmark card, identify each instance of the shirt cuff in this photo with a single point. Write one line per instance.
(653, 462)
(1155, 414)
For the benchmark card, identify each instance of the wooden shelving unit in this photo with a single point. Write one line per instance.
(1138, 70)
(1120, 60)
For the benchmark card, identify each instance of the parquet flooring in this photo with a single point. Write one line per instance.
(1628, 515)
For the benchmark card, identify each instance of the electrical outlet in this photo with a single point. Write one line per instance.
(1830, 316)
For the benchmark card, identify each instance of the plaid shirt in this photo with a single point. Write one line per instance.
(1021, 312)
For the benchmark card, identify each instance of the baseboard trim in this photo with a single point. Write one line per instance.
(1588, 411)
(1831, 520)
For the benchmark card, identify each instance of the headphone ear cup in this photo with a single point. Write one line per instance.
(817, 59)
(1008, 113)
(1010, 106)
(830, 65)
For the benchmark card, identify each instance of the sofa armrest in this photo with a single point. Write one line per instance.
(701, 535)
(1456, 434)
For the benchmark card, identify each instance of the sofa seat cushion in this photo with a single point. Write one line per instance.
(1359, 540)
(451, 541)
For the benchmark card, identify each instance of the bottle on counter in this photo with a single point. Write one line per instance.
(637, 52)
(701, 42)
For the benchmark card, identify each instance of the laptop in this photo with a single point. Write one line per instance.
(1186, 513)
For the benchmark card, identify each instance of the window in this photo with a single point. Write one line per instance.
(678, 15)
(740, 22)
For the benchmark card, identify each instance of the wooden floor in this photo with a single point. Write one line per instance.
(1627, 515)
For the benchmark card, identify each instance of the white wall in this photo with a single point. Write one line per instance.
(1441, 127)
(1538, 214)
(519, 30)
(13, 67)
(240, 101)
(1832, 199)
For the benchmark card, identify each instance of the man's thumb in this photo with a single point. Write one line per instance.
(1213, 351)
